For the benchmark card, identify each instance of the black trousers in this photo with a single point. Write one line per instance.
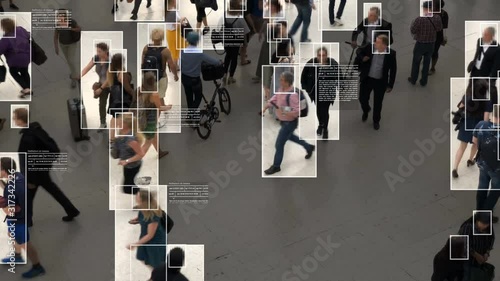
(129, 175)
(322, 110)
(200, 14)
(137, 4)
(378, 87)
(193, 90)
(44, 180)
(21, 75)
(103, 104)
(231, 59)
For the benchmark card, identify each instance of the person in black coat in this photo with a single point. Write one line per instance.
(486, 61)
(449, 263)
(173, 273)
(378, 74)
(318, 73)
(437, 7)
(372, 23)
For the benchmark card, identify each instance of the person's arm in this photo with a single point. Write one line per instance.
(152, 227)
(496, 65)
(87, 68)
(75, 27)
(56, 41)
(269, 103)
(139, 154)
(356, 32)
(415, 27)
(155, 98)
(210, 60)
(167, 59)
(393, 70)
(438, 23)
(295, 106)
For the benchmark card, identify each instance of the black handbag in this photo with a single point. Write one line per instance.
(484, 272)
(38, 55)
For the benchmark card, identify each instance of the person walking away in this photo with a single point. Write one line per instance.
(424, 30)
(441, 40)
(67, 37)
(304, 11)
(137, 5)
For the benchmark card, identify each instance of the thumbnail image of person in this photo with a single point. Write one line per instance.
(11, 5)
(233, 47)
(440, 38)
(424, 30)
(35, 138)
(477, 109)
(156, 57)
(16, 196)
(137, 5)
(129, 146)
(444, 267)
(175, 258)
(335, 20)
(175, 41)
(378, 71)
(485, 138)
(121, 91)
(309, 80)
(486, 60)
(304, 12)
(15, 46)
(480, 244)
(191, 59)
(152, 230)
(150, 102)
(371, 23)
(101, 63)
(287, 110)
(285, 47)
(67, 37)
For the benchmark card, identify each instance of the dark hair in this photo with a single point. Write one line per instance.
(8, 25)
(116, 62)
(384, 38)
(7, 163)
(322, 49)
(480, 87)
(483, 217)
(176, 259)
(456, 247)
(277, 4)
(103, 46)
(21, 113)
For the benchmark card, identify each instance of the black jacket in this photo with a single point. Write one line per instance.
(491, 60)
(309, 76)
(446, 269)
(362, 28)
(390, 65)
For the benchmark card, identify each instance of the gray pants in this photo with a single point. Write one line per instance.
(69, 51)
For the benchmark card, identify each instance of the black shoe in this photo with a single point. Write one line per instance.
(319, 131)
(69, 218)
(411, 81)
(14, 7)
(454, 173)
(272, 170)
(310, 151)
(364, 117)
(471, 163)
(494, 219)
(422, 84)
(133, 17)
(325, 134)
(148, 5)
(376, 126)
(206, 29)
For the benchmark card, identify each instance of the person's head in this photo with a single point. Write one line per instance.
(482, 221)
(7, 167)
(381, 43)
(148, 82)
(193, 38)
(373, 14)
(437, 5)
(147, 203)
(280, 29)
(102, 49)
(20, 117)
(157, 36)
(275, 8)
(427, 7)
(478, 88)
(286, 79)
(172, 5)
(62, 16)
(176, 258)
(128, 126)
(8, 25)
(116, 63)
(235, 7)
(322, 55)
(457, 247)
(488, 34)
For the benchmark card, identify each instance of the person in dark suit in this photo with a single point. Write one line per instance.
(486, 62)
(377, 73)
(449, 262)
(317, 70)
(372, 23)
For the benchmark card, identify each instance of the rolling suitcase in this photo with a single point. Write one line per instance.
(77, 121)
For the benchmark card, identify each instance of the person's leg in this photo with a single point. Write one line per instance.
(188, 92)
(460, 153)
(129, 175)
(324, 107)
(233, 60)
(365, 89)
(32, 189)
(415, 65)
(103, 102)
(284, 134)
(473, 152)
(32, 254)
(198, 92)
(71, 58)
(494, 193)
(200, 15)
(294, 138)
(227, 59)
(306, 20)
(331, 11)
(60, 197)
(482, 189)
(427, 53)
(378, 98)
(435, 57)
(340, 11)
(147, 144)
(15, 72)
(298, 21)
(25, 75)
(137, 5)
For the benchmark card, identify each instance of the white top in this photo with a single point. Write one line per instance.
(479, 61)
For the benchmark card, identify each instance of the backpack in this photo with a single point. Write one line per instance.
(304, 107)
(153, 60)
(488, 149)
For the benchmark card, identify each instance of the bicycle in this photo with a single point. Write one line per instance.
(209, 115)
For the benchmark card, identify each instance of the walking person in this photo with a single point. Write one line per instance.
(16, 195)
(441, 40)
(175, 41)
(371, 23)
(321, 69)
(424, 30)
(304, 11)
(67, 36)
(129, 150)
(486, 61)
(34, 138)
(11, 5)
(377, 73)
(15, 46)
(101, 63)
(152, 231)
(287, 110)
(335, 21)
(485, 138)
(137, 5)
(477, 108)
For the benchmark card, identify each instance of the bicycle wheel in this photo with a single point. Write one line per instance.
(205, 127)
(224, 101)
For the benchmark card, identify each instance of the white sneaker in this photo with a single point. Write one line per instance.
(338, 22)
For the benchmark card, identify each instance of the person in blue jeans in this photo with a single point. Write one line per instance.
(335, 21)
(485, 137)
(14, 192)
(287, 111)
(304, 11)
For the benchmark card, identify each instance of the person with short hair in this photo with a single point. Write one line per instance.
(14, 196)
(67, 37)
(373, 22)
(175, 41)
(335, 21)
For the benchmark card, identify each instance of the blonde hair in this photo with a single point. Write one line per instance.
(148, 201)
(157, 35)
(128, 120)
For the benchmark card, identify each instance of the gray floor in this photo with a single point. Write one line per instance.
(259, 229)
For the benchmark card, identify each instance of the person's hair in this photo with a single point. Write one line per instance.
(128, 120)
(322, 49)
(483, 217)
(176, 258)
(148, 81)
(376, 9)
(477, 88)
(21, 113)
(7, 163)
(103, 46)
(288, 77)
(427, 5)
(63, 13)
(457, 247)
(116, 64)
(384, 38)
(157, 35)
(171, 4)
(277, 4)
(235, 6)
(491, 30)
(437, 5)
(8, 25)
(149, 202)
